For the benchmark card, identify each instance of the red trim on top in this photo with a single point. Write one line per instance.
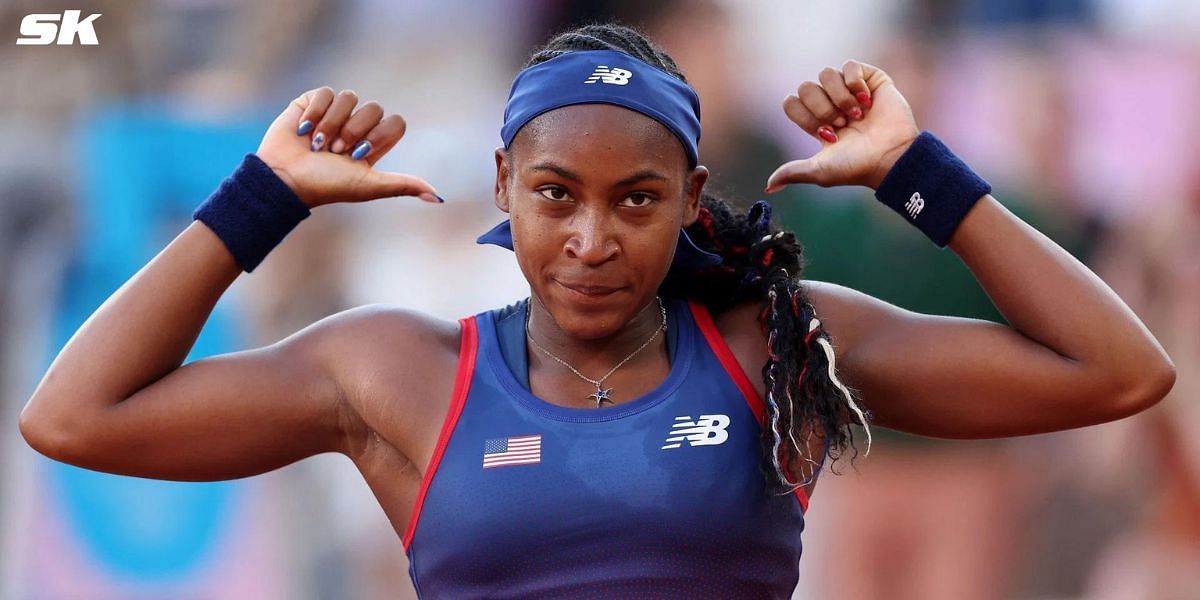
(727, 359)
(468, 349)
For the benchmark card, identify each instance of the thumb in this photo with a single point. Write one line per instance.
(806, 170)
(386, 184)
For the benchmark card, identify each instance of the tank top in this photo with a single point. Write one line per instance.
(661, 496)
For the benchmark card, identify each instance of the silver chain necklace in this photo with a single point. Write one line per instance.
(602, 394)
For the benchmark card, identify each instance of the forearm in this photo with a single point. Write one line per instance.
(1050, 297)
(142, 332)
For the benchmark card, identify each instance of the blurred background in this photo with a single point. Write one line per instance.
(1080, 113)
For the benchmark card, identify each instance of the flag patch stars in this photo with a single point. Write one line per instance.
(512, 450)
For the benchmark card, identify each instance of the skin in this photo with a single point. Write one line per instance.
(596, 195)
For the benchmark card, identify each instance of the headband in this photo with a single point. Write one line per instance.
(607, 77)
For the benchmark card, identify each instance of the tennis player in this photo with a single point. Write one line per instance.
(652, 420)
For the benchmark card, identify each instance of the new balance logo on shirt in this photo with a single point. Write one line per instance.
(708, 430)
(914, 205)
(613, 76)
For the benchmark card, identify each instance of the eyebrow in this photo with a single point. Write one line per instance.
(637, 177)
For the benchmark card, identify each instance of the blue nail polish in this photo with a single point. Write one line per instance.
(305, 127)
(318, 141)
(440, 199)
(361, 150)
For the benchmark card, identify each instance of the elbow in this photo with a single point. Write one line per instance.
(50, 435)
(1146, 388)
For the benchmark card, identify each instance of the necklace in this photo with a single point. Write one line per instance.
(601, 394)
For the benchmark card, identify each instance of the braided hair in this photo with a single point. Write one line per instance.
(760, 263)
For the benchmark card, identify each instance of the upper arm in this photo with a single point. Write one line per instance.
(245, 413)
(953, 377)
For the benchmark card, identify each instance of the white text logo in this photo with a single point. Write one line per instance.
(42, 29)
(614, 75)
(708, 430)
(914, 205)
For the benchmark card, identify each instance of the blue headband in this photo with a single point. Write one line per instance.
(607, 77)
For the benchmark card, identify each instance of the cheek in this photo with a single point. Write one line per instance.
(534, 241)
(652, 248)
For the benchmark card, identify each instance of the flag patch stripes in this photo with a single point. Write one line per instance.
(512, 450)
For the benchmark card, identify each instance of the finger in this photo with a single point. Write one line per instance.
(803, 116)
(313, 105)
(819, 104)
(856, 82)
(797, 171)
(331, 122)
(380, 140)
(800, 115)
(835, 87)
(385, 184)
(363, 120)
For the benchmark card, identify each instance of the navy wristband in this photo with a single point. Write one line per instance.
(931, 188)
(252, 211)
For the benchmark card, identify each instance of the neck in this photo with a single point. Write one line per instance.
(596, 356)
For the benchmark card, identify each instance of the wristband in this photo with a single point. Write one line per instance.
(931, 188)
(252, 211)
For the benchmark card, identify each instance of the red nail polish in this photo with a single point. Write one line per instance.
(864, 99)
(857, 113)
(827, 134)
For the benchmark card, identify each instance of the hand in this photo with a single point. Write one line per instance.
(326, 162)
(861, 120)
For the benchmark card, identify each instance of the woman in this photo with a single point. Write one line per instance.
(605, 435)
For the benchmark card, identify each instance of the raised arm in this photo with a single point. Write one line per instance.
(116, 398)
(1074, 355)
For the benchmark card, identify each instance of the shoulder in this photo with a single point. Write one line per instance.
(394, 369)
(365, 335)
(848, 315)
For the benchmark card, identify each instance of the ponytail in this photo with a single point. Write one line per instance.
(804, 396)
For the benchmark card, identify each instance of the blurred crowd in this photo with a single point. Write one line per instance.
(1077, 111)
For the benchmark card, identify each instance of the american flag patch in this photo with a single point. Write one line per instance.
(514, 450)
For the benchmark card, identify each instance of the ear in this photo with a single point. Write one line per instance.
(503, 171)
(693, 189)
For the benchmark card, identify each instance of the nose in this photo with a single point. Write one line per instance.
(592, 240)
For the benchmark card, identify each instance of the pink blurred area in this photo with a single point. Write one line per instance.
(1078, 112)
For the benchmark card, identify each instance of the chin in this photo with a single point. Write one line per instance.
(591, 316)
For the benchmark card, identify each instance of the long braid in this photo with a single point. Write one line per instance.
(762, 264)
(804, 397)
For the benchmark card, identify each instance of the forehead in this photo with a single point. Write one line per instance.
(599, 134)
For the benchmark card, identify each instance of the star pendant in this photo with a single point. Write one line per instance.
(601, 395)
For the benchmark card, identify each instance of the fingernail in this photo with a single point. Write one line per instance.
(864, 99)
(827, 134)
(304, 127)
(338, 146)
(839, 122)
(318, 141)
(440, 199)
(857, 113)
(362, 149)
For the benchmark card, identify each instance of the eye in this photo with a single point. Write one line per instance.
(637, 200)
(553, 193)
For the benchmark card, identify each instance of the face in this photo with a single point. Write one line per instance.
(596, 194)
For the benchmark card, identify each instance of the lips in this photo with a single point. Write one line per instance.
(590, 291)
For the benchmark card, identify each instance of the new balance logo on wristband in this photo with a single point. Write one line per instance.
(914, 205)
(708, 430)
(614, 76)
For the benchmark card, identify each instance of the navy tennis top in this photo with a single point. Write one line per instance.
(661, 496)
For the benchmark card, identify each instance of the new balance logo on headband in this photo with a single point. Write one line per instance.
(614, 76)
(914, 205)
